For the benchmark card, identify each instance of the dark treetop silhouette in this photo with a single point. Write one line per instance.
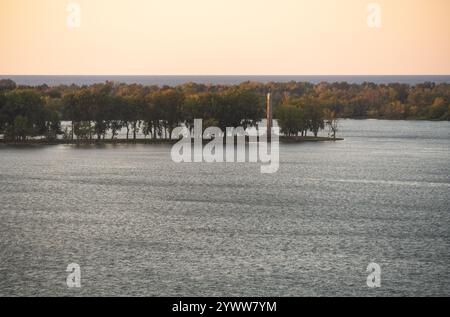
(155, 111)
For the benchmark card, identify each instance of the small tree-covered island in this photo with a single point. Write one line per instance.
(97, 113)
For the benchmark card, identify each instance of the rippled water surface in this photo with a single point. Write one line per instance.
(139, 224)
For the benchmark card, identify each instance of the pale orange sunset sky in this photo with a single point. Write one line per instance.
(229, 37)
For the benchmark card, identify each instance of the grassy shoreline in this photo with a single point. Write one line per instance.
(283, 139)
(301, 139)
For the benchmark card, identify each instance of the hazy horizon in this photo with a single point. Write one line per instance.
(175, 80)
(230, 75)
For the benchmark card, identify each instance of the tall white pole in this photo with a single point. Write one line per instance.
(269, 111)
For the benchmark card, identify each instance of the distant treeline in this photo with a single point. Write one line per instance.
(102, 109)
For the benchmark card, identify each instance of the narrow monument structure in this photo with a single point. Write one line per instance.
(269, 111)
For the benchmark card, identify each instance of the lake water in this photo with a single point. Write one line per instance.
(139, 224)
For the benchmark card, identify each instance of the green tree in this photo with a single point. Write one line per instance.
(438, 109)
(169, 104)
(53, 109)
(78, 107)
(249, 107)
(83, 130)
(291, 119)
(25, 109)
(133, 114)
(315, 118)
(19, 129)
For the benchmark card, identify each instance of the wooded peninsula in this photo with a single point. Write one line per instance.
(103, 110)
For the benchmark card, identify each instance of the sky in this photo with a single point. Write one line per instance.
(225, 37)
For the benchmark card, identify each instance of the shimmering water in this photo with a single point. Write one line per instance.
(139, 224)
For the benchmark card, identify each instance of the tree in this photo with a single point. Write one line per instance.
(133, 114)
(225, 110)
(107, 108)
(291, 119)
(78, 108)
(114, 116)
(122, 114)
(19, 129)
(69, 111)
(314, 116)
(438, 109)
(249, 107)
(2, 116)
(170, 104)
(331, 122)
(102, 112)
(7, 85)
(83, 130)
(152, 119)
(199, 106)
(23, 114)
(53, 109)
